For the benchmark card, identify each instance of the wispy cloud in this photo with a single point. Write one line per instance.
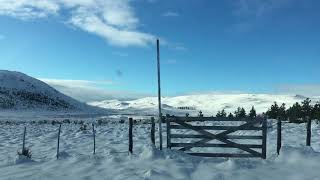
(88, 91)
(112, 20)
(121, 54)
(248, 13)
(170, 14)
(172, 61)
(176, 46)
(259, 8)
(2, 37)
(301, 89)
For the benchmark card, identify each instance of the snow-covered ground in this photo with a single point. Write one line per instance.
(209, 103)
(113, 162)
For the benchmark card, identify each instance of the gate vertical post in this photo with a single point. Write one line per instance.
(264, 139)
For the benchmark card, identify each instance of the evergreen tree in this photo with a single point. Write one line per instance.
(306, 108)
(282, 114)
(273, 112)
(230, 116)
(221, 114)
(294, 113)
(240, 113)
(316, 111)
(252, 113)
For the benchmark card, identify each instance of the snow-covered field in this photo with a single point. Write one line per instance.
(113, 162)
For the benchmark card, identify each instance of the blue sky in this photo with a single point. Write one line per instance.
(206, 45)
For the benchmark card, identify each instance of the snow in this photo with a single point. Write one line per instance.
(209, 103)
(112, 161)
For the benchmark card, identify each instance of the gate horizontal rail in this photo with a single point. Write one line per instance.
(218, 127)
(208, 137)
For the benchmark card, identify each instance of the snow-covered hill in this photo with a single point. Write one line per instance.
(19, 91)
(209, 103)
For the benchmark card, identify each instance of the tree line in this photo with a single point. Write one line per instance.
(297, 113)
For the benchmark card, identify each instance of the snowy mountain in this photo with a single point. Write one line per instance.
(209, 103)
(19, 91)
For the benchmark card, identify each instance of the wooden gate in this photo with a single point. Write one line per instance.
(217, 132)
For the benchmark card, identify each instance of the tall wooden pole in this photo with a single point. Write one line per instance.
(159, 95)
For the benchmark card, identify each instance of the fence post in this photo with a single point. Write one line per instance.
(94, 139)
(153, 129)
(130, 135)
(168, 133)
(264, 139)
(24, 139)
(279, 136)
(308, 141)
(58, 146)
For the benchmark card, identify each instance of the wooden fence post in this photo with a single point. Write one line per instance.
(94, 139)
(130, 135)
(264, 139)
(279, 136)
(168, 133)
(153, 129)
(58, 146)
(308, 141)
(24, 139)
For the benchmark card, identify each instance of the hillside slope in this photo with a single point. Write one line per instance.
(19, 91)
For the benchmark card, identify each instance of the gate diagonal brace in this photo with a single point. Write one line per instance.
(221, 136)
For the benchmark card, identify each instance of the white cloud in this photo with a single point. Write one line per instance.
(113, 20)
(75, 83)
(88, 91)
(170, 14)
(27, 9)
